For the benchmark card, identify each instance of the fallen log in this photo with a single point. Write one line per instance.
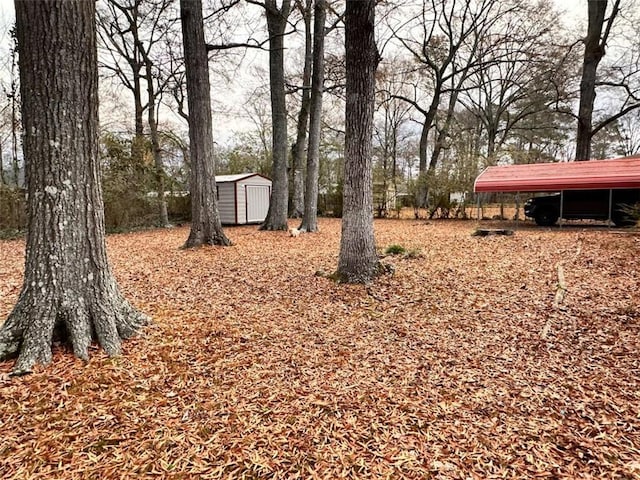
(485, 232)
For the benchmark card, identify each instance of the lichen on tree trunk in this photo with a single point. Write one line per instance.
(68, 284)
(357, 261)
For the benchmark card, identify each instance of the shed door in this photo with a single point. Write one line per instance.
(257, 202)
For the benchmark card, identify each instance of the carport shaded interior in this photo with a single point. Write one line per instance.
(550, 177)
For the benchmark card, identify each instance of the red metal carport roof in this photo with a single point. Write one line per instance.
(553, 177)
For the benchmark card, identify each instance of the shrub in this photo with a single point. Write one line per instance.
(631, 212)
(13, 211)
(395, 250)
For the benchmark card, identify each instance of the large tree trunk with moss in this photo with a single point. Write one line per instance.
(278, 206)
(206, 227)
(358, 262)
(298, 149)
(68, 285)
(310, 219)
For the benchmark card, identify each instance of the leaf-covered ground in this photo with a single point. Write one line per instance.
(456, 367)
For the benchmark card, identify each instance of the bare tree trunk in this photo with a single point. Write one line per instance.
(206, 227)
(278, 206)
(138, 145)
(443, 132)
(297, 199)
(421, 191)
(423, 175)
(594, 50)
(136, 63)
(139, 126)
(2, 179)
(68, 285)
(129, 30)
(394, 171)
(113, 35)
(357, 261)
(163, 216)
(310, 220)
(15, 121)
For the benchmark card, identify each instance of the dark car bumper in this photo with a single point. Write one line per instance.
(529, 209)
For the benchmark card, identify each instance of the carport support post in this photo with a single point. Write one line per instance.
(478, 209)
(609, 221)
(561, 207)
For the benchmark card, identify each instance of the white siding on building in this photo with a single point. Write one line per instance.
(257, 202)
(233, 198)
(227, 203)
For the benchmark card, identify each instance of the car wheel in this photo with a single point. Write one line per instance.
(546, 217)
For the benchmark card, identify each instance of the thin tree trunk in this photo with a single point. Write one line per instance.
(163, 216)
(136, 63)
(297, 199)
(138, 146)
(139, 125)
(443, 133)
(357, 261)
(114, 36)
(206, 227)
(2, 180)
(394, 166)
(423, 170)
(68, 285)
(14, 121)
(278, 205)
(492, 133)
(382, 205)
(310, 219)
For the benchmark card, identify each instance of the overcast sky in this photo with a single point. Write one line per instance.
(577, 9)
(576, 13)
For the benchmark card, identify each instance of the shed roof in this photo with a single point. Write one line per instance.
(553, 177)
(237, 177)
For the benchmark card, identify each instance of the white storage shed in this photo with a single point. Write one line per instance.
(243, 198)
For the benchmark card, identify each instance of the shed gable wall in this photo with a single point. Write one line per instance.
(254, 180)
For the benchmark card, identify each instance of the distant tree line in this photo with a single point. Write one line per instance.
(460, 85)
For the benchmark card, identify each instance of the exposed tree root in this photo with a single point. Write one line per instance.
(304, 227)
(270, 227)
(363, 276)
(199, 239)
(29, 330)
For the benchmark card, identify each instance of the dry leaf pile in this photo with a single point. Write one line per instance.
(458, 366)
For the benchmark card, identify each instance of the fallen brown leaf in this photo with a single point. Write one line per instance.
(258, 368)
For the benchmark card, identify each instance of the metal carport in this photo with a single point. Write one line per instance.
(557, 177)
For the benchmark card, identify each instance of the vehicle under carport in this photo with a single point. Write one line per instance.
(596, 189)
